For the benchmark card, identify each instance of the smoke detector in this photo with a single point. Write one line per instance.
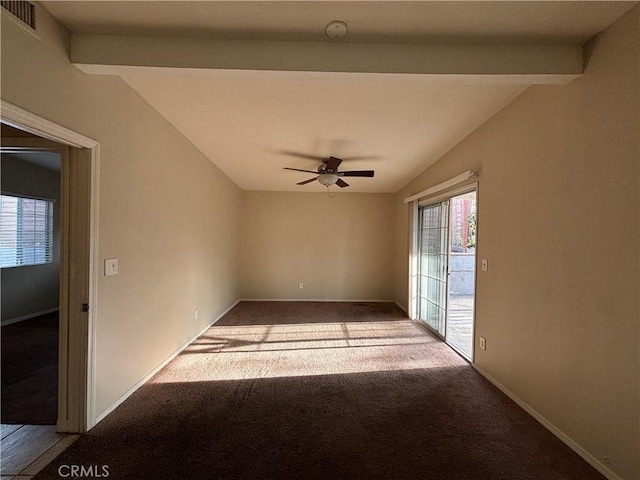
(336, 30)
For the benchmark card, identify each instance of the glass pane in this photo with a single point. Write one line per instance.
(433, 265)
(462, 273)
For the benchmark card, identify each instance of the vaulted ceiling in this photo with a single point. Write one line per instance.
(252, 83)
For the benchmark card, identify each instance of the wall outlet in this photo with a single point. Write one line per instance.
(196, 314)
(485, 265)
(110, 266)
(301, 285)
(483, 343)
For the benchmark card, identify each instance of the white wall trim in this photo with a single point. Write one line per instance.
(441, 186)
(94, 275)
(29, 122)
(160, 366)
(593, 461)
(315, 300)
(10, 321)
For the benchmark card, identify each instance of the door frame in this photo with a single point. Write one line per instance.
(77, 363)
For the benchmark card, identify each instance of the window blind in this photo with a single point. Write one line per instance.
(26, 231)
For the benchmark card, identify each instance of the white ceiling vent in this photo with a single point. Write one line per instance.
(24, 11)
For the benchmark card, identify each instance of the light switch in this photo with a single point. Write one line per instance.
(485, 265)
(110, 266)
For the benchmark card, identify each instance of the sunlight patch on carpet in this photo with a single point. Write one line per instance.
(273, 351)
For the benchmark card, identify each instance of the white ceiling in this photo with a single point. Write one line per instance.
(247, 121)
(243, 121)
(369, 21)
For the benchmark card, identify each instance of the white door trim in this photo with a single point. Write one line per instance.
(24, 120)
(412, 304)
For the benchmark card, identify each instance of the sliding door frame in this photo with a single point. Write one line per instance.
(414, 245)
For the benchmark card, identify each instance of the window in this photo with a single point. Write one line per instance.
(26, 231)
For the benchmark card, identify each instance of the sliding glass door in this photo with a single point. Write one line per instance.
(462, 273)
(433, 259)
(446, 269)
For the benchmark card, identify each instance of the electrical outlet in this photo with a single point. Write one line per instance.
(196, 314)
(483, 343)
(110, 266)
(301, 285)
(485, 265)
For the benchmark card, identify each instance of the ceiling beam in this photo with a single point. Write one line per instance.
(530, 64)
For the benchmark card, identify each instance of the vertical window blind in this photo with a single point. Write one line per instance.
(26, 231)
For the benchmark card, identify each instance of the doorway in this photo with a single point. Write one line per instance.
(78, 260)
(447, 237)
(30, 240)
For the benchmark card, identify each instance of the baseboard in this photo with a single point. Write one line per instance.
(315, 300)
(159, 367)
(27, 317)
(593, 461)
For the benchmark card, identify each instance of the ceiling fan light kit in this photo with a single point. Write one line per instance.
(328, 179)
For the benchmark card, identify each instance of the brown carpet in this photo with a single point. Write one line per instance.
(321, 391)
(30, 371)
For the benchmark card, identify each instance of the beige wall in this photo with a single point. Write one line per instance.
(558, 222)
(166, 212)
(340, 248)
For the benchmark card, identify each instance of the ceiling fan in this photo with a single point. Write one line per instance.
(328, 174)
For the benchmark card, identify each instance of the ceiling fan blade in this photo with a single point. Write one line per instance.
(298, 170)
(302, 155)
(333, 163)
(341, 183)
(307, 181)
(357, 173)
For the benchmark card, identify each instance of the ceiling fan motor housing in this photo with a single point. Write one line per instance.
(329, 165)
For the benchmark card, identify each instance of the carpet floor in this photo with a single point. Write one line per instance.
(30, 371)
(305, 390)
